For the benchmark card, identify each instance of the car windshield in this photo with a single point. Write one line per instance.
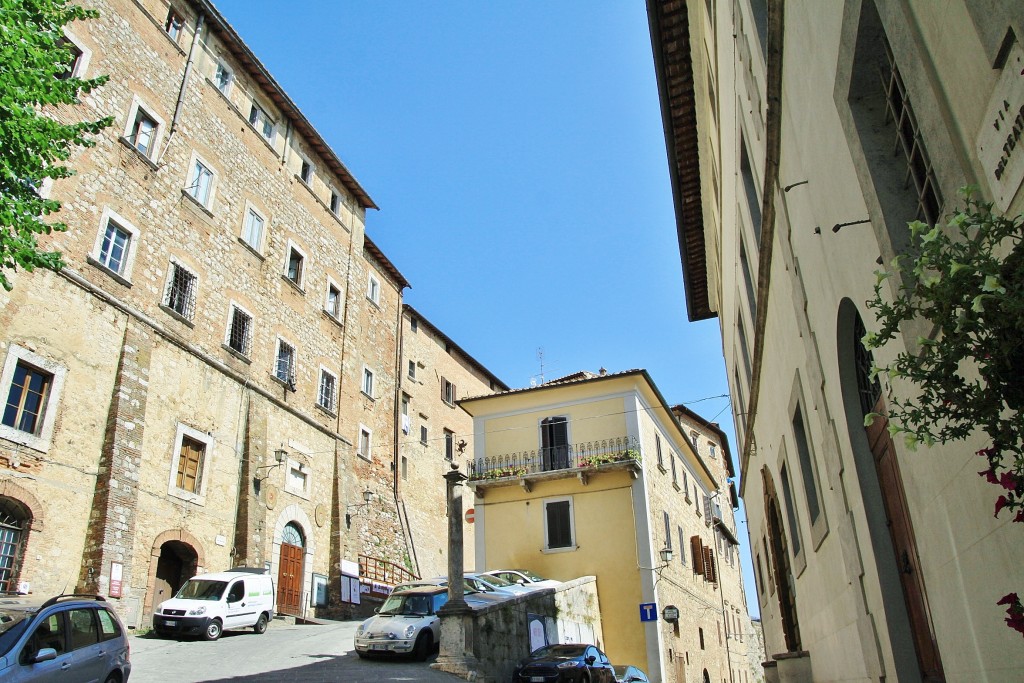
(200, 589)
(497, 581)
(569, 650)
(532, 576)
(406, 604)
(13, 623)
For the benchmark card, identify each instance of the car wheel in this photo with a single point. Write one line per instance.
(362, 655)
(261, 624)
(213, 630)
(424, 646)
(113, 678)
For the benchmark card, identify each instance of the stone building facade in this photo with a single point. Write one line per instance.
(802, 139)
(433, 433)
(214, 378)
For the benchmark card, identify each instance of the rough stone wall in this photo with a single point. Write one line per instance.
(233, 401)
(422, 465)
(501, 634)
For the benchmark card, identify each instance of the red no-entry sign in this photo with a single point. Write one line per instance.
(470, 515)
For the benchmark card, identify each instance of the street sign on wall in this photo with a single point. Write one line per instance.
(648, 611)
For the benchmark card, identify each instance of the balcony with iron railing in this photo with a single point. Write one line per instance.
(575, 459)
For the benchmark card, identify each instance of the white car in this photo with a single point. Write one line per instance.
(522, 577)
(406, 624)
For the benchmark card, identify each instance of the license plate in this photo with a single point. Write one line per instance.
(536, 679)
(379, 647)
(170, 622)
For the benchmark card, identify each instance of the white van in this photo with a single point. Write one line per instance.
(209, 604)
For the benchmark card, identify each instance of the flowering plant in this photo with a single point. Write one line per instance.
(965, 281)
(601, 459)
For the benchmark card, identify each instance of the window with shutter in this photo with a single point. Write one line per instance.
(558, 520)
(697, 552)
(709, 565)
(190, 465)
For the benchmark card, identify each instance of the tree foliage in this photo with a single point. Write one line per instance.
(35, 81)
(966, 281)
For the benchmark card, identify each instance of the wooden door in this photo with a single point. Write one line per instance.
(289, 580)
(901, 530)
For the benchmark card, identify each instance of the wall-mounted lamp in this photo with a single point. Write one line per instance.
(666, 556)
(367, 498)
(279, 456)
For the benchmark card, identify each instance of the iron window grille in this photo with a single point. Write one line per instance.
(284, 368)
(908, 138)
(240, 334)
(325, 396)
(12, 527)
(181, 292)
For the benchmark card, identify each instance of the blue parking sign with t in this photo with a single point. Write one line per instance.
(648, 611)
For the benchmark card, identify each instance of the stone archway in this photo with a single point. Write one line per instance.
(176, 556)
(20, 513)
(292, 559)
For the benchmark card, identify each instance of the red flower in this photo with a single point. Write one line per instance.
(990, 476)
(1008, 481)
(1001, 502)
(1020, 516)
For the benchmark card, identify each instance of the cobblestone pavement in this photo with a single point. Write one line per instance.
(286, 652)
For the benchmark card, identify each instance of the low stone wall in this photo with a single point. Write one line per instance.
(508, 631)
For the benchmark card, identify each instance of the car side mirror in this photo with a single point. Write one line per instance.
(590, 660)
(45, 655)
(376, 610)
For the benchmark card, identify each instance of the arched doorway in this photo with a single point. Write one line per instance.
(175, 565)
(289, 569)
(778, 550)
(15, 521)
(915, 650)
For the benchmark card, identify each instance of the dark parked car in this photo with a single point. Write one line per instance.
(568, 663)
(629, 674)
(67, 638)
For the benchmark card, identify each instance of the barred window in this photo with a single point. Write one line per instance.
(284, 368)
(14, 520)
(908, 138)
(240, 331)
(181, 292)
(325, 397)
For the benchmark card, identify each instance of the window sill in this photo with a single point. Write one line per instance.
(364, 456)
(36, 443)
(237, 354)
(675, 485)
(117, 277)
(196, 203)
(450, 405)
(255, 252)
(187, 495)
(295, 285)
(282, 382)
(661, 468)
(330, 212)
(326, 410)
(333, 318)
(306, 183)
(177, 316)
(376, 304)
(688, 500)
(367, 395)
(145, 159)
(570, 549)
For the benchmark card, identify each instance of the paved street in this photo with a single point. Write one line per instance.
(297, 654)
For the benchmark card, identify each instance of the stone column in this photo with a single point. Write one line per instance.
(456, 656)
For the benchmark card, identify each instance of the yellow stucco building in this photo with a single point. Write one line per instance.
(592, 474)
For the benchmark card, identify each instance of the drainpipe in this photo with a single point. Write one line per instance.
(189, 63)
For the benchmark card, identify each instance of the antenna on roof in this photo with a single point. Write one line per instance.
(540, 357)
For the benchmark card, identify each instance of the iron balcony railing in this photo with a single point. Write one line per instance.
(568, 457)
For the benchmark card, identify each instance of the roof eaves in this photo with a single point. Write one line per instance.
(385, 262)
(462, 352)
(673, 66)
(248, 60)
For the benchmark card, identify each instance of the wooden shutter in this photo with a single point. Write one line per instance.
(559, 528)
(190, 465)
(697, 551)
(709, 565)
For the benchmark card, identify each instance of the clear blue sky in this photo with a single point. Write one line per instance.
(517, 153)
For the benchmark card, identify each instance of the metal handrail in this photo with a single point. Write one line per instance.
(567, 457)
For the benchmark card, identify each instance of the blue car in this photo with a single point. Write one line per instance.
(67, 638)
(567, 663)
